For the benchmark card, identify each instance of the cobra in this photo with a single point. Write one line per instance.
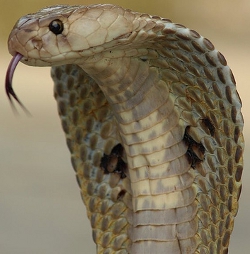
(152, 120)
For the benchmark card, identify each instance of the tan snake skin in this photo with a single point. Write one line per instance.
(167, 96)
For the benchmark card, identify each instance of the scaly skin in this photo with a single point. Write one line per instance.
(167, 95)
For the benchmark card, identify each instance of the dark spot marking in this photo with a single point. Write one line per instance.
(207, 122)
(70, 83)
(229, 94)
(198, 47)
(230, 186)
(168, 31)
(234, 114)
(58, 89)
(225, 239)
(113, 163)
(185, 46)
(83, 153)
(239, 192)
(222, 59)
(216, 90)
(121, 194)
(237, 133)
(232, 77)
(195, 152)
(210, 59)
(238, 173)
(230, 166)
(222, 109)
(89, 124)
(193, 70)
(65, 126)
(208, 44)
(209, 74)
(230, 204)
(198, 60)
(62, 108)
(75, 117)
(78, 136)
(194, 34)
(57, 72)
(72, 99)
(238, 154)
(228, 221)
(221, 75)
(223, 193)
(69, 144)
(68, 68)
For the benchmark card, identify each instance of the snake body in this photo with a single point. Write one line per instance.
(153, 123)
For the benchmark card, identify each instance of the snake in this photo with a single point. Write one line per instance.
(152, 120)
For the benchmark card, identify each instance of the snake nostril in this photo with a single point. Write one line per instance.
(37, 44)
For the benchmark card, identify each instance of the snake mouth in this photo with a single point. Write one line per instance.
(8, 81)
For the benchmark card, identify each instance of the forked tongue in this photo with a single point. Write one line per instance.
(8, 82)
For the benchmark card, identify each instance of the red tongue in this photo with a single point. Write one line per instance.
(8, 80)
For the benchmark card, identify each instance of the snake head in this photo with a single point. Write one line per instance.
(64, 34)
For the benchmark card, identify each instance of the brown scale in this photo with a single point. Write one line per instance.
(207, 122)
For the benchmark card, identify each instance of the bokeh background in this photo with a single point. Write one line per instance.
(40, 207)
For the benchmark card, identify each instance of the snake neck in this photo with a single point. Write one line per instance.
(152, 133)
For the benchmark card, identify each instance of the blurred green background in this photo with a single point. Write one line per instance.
(40, 207)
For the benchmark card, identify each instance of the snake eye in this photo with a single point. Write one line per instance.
(56, 26)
